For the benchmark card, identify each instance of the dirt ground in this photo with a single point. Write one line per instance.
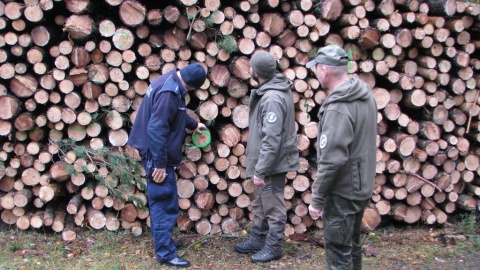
(390, 247)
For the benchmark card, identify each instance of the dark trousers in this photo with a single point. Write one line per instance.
(342, 220)
(163, 204)
(270, 214)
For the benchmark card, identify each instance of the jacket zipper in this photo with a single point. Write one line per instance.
(359, 176)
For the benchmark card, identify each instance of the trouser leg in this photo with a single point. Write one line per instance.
(356, 237)
(259, 229)
(275, 212)
(163, 203)
(342, 226)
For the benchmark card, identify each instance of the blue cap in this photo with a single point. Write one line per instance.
(193, 75)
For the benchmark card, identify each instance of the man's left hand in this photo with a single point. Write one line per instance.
(314, 212)
(200, 127)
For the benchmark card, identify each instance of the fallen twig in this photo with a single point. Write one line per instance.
(421, 178)
(205, 237)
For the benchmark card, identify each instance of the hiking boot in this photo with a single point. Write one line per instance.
(267, 254)
(248, 247)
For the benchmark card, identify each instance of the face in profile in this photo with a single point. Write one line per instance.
(320, 73)
(254, 76)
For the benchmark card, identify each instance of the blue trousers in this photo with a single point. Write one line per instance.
(163, 204)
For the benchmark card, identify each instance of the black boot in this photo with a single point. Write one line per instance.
(254, 244)
(267, 254)
(248, 247)
(273, 246)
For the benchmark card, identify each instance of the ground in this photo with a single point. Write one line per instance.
(390, 247)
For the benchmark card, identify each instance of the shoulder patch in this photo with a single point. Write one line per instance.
(271, 117)
(323, 141)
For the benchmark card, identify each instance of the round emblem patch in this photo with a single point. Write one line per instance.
(271, 117)
(323, 141)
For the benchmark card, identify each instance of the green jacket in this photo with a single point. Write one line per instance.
(272, 137)
(347, 133)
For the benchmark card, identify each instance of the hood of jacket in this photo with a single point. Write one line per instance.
(278, 82)
(348, 91)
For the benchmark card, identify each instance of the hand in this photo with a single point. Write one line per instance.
(258, 182)
(314, 212)
(200, 127)
(159, 175)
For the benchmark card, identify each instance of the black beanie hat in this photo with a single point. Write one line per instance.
(193, 75)
(264, 65)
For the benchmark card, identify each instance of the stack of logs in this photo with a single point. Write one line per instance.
(78, 69)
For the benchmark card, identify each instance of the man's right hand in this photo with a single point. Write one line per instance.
(314, 212)
(159, 175)
(258, 181)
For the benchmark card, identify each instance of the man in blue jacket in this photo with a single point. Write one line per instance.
(158, 134)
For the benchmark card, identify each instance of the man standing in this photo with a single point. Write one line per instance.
(158, 134)
(271, 153)
(347, 131)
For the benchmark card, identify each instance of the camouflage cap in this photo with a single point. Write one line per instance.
(331, 55)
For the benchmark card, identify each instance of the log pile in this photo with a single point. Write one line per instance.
(69, 71)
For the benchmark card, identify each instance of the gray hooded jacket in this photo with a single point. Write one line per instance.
(272, 137)
(347, 134)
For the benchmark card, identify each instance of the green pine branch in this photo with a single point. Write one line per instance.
(123, 170)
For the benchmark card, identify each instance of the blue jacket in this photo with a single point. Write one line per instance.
(158, 132)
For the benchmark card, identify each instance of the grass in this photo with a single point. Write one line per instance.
(414, 247)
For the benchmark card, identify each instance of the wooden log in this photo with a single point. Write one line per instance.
(205, 200)
(443, 7)
(23, 197)
(132, 13)
(79, 26)
(96, 219)
(273, 23)
(74, 204)
(466, 202)
(69, 233)
(229, 225)
(51, 191)
(371, 219)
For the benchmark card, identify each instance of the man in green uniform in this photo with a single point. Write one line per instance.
(347, 131)
(271, 153)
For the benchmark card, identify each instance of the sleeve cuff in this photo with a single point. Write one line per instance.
(259, 175)
(158, 164)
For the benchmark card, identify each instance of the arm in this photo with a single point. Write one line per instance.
(273, 115)
(333, 143)
(158, 129)
(193, 125)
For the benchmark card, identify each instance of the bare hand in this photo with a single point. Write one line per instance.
(258, 182)
(314, 212)
(159, 175)
(200, 127)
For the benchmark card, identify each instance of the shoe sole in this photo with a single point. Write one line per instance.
(177, 266)
(272, 259)
(246, 251)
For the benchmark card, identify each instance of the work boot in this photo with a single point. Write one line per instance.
(248, 247)
(255, 242)
(267, 254)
